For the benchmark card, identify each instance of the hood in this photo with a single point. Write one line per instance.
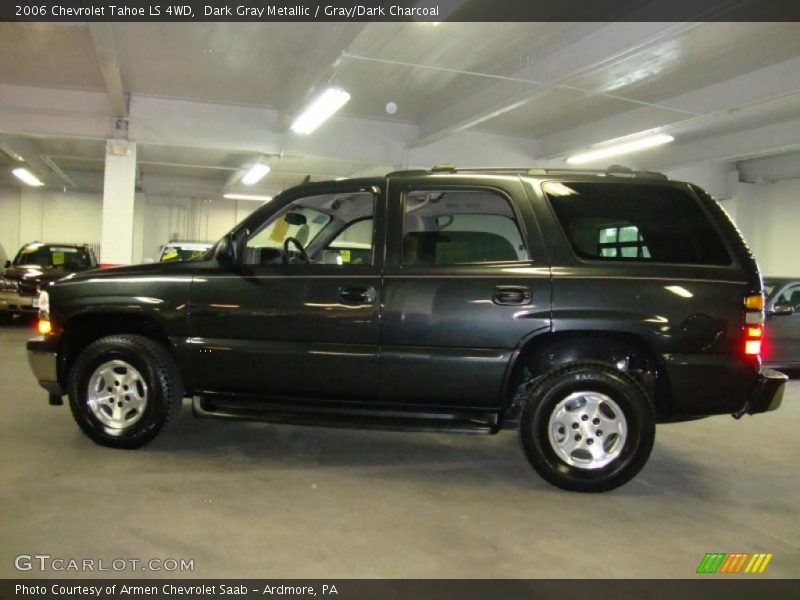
(143, 270)
(35, 274)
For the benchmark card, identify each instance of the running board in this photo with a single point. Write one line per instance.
(345, 414)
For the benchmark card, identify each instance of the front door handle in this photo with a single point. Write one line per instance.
(356, 295)
(511, 295)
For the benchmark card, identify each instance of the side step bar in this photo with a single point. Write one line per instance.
(345, 414)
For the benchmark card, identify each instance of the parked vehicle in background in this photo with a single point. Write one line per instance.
(782, 333)
(579, 308)
(178, 251)
(35, 264)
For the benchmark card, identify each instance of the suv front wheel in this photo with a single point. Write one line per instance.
(123, 390)
(587, 427)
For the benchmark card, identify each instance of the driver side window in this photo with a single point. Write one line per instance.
(312, 229)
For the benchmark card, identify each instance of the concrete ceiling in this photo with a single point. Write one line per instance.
(204, 99)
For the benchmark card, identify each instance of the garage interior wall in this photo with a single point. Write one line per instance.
(765, 212)
(28, 215)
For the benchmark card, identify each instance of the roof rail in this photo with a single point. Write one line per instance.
(612, 171)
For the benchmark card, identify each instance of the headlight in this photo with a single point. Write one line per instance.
(8, 285)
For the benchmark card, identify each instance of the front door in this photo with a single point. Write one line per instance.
(297, 314)
(466, 281)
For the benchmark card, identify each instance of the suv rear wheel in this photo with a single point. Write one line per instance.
(123, 390)
(587, 427)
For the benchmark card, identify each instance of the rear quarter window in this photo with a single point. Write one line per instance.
(623, 222)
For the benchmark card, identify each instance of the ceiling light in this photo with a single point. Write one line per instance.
(255, 197)
(255, 173)
(26, 176)
(641, 143)
(320, 110)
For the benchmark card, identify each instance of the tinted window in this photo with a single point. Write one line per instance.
(636, 222)
(460, 227)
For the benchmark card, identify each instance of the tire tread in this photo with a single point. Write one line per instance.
(168, 377)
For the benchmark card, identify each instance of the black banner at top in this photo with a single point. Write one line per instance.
(399, 10)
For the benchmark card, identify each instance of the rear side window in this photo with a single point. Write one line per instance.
(460, 227)
(635, 222)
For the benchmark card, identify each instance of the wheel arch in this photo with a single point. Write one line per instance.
(543, 352)
(84, 328)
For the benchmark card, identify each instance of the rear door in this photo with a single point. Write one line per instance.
(465, 282)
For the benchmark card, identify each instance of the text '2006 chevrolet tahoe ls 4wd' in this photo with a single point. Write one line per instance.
(579, 307)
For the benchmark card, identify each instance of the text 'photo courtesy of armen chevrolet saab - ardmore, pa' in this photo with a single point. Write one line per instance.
(412, 299)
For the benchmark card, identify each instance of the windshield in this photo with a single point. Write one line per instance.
(303, 229)
(66, 257)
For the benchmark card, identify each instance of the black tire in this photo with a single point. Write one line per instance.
(544, 397)
(157, 368)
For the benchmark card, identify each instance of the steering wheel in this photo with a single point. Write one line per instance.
(302, 254)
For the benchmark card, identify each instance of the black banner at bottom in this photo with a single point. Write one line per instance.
(732, 588)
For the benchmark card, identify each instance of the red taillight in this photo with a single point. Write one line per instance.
(752, 340)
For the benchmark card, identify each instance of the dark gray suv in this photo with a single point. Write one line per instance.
(579, 308)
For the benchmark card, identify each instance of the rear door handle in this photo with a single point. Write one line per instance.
(512, 295)
(350, 295)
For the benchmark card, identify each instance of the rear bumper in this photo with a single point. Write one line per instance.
(703, 385)
(43, 359)
(13, 302)
(767, 393)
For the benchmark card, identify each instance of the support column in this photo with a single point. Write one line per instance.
(119, 191)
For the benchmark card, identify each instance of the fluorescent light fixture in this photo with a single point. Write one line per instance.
(642, 143)
(255, 173)
(320, 110)
(254, 197)
(23, 174)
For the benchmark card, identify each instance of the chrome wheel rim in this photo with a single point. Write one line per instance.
(117, 394)
(587, 430)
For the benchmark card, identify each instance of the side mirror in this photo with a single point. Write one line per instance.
(782, 310)
(8, 264)
(231, 248)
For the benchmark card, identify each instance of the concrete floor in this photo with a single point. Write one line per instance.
(255, 500)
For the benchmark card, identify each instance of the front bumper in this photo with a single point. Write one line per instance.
(43, 359)
(767, 393)
(13, 302)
